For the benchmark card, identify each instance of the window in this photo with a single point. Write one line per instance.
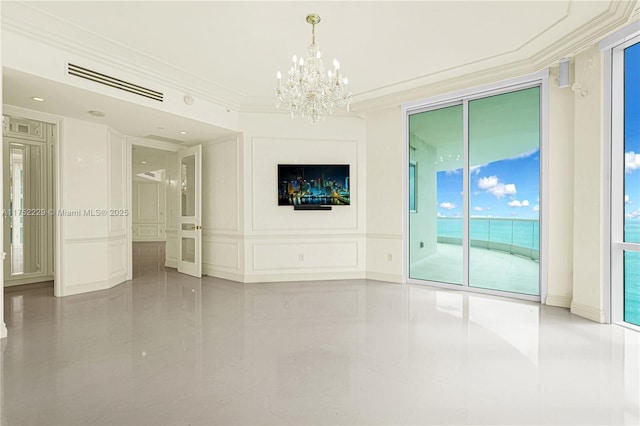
(622, 56)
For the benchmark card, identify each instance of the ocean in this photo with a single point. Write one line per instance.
(518, 232)
(632, 273)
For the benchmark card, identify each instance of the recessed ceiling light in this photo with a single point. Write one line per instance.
(182, 132)
(97, 113)
(143, 162)
(37, 99)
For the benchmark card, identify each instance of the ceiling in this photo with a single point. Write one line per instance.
(231, 50)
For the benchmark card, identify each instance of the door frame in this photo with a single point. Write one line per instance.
(540, 79)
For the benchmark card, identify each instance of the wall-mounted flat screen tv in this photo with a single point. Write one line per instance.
(313, 184)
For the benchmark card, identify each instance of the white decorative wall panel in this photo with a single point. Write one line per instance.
(148, 202)
(117, 185)
(141, 231)
(85, 262)
(220, 181)
(85, 187)
(172, 249)
(149, 211)
(117, 258)
(301, 256)
(221, 254)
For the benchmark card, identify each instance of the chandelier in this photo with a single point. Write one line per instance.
(308, 89)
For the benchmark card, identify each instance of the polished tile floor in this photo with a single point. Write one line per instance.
(166, 349)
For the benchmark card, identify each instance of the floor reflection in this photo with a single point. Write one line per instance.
(166, 348)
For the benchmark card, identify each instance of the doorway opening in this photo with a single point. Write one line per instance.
(154, 206)
(28, 200)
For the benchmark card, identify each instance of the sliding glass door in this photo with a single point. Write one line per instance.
(435, 221)
(474, 197)
(504, 192)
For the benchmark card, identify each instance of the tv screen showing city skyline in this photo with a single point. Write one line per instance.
(313, 184)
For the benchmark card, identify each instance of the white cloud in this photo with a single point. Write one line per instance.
(516, 203)
(536, 208)
(481, 209)
(633, 214)
(626, 199)
(487, 182)
(441, 215)
(474, 170)
(500, 190)
(492, 185)
(447, 205)
(631, 161)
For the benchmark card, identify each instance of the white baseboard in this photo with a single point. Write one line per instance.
(559, 301)
(588, 312)
(391, 278)
(84, 288)
(231, 276)
(266, 278)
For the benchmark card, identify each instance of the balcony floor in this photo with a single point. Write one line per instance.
(489, 269)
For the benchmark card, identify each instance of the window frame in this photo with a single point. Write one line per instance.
(613, 48)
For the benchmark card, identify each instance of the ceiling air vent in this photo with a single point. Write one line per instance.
(114, 82)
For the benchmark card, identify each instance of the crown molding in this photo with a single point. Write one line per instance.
(30, 22)
(38, 26)
(617, 15)
(497, 68)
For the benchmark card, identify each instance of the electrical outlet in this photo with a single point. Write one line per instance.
(301, 257)
(389, 257)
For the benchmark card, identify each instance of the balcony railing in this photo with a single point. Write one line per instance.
(515, 236)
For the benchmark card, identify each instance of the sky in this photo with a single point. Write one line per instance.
(508, 188)
(632, 132)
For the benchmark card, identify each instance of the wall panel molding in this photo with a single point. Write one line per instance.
(222, 254)
(319, 256)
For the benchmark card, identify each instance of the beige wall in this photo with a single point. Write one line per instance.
(560, 197)
(588, 185)
(385, 214)
(574, 235)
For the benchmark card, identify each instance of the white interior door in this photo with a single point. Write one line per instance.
(189, 226)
